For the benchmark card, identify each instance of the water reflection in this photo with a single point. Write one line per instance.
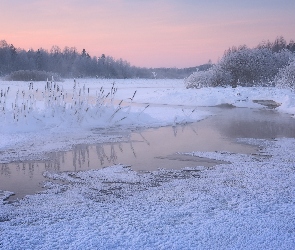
(155, 148)
(255, 124)
(5, 170)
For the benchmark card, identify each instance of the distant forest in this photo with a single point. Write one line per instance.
(69, 63)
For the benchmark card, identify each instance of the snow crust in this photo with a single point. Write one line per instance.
(245, 204)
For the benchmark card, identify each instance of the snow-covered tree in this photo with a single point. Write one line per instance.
(244, 66)
(286, 76)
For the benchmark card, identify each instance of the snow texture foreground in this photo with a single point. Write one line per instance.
(246, 204)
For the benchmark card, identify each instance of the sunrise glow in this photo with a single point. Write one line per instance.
(146, 33)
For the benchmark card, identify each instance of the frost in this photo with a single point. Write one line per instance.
(247, 67)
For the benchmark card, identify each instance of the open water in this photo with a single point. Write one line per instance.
(150, 149)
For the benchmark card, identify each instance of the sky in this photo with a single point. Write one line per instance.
(147, 33)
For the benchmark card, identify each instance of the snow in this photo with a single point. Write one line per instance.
(4, 195)
(59, 124)
(54, 125)
(247, 203)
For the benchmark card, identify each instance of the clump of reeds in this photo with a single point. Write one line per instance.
(52, 104)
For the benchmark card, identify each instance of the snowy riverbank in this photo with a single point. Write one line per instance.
(50, 128)
(247, 203)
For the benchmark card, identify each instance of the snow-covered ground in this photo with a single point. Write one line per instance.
(56, 123)
(248, 203)
(51, 126)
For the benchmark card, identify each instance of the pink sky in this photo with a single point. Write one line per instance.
(147, 33)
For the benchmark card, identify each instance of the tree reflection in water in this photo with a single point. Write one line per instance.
(154, 148)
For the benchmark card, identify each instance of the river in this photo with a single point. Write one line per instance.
(153, 148)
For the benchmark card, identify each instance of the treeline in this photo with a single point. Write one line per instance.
(265, 65)
(71, 63)
(278, 45)
(67, 63)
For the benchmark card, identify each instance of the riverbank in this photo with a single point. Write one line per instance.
(245, 202)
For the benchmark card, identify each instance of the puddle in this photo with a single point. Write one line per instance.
(155, 148)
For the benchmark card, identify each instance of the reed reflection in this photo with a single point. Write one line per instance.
(5, 170)
(153, 148)
(83, 157)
